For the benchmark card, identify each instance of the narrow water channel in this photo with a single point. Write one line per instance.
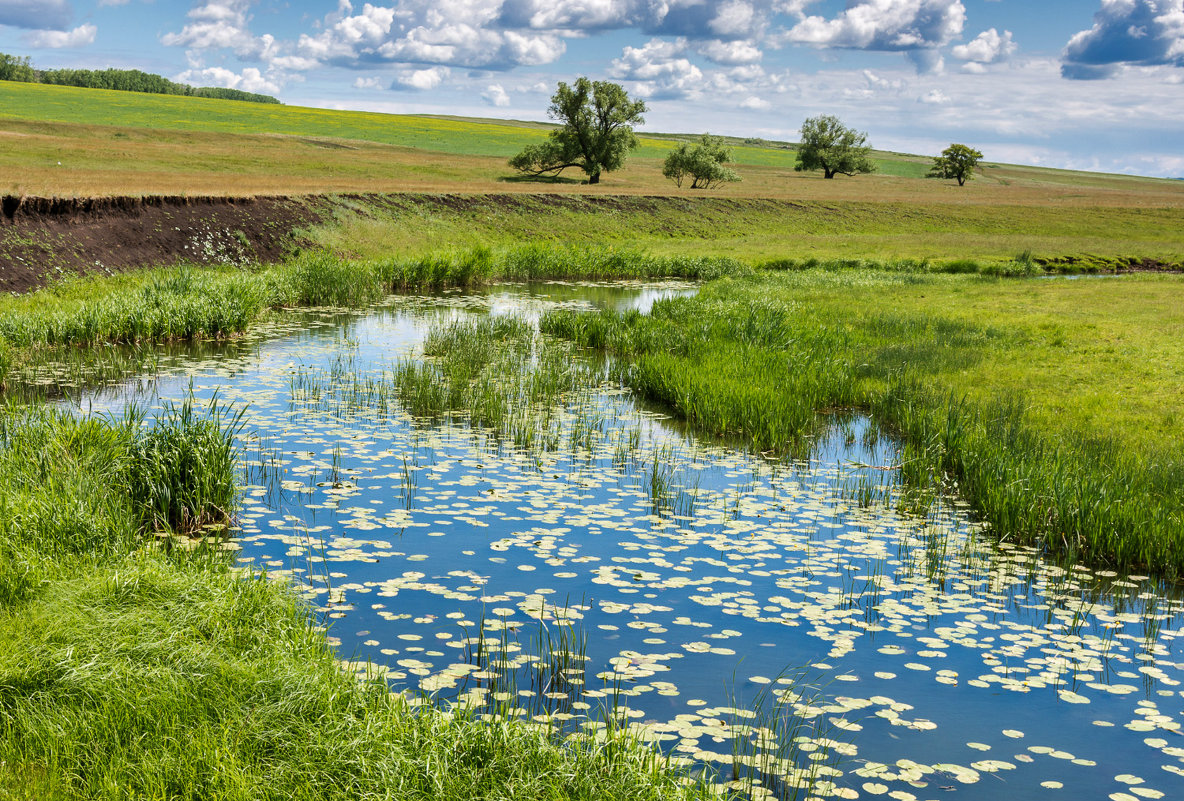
(925, 660)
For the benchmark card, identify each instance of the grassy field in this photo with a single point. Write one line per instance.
(753, 229)
(67, 141)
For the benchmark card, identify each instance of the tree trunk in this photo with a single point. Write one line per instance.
(827, 172)
(594, 178)
(961, 180)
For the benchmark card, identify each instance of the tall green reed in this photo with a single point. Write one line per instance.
(181, 474)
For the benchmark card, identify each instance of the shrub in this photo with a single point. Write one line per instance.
(702, 163)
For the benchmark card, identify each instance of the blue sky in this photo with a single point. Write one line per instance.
(1083, 84)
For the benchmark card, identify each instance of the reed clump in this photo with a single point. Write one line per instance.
(182, 303)
(181, 469)
(1022, 265)
(739, 371)
(494, 374)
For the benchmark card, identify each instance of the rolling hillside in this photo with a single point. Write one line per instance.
(88, 142)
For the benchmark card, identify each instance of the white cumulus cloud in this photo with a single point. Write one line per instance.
(495, 95)
(250, 79)
(457, 33)
(737, 51)
(1127, 33)
(876, 82)
(733, 18)
(659, 69)
(989, 47)
(424, 80)
(220, 24)
(694, 19)
(885, 25)
(80, 36)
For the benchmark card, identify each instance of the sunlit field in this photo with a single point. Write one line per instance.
(128, 143)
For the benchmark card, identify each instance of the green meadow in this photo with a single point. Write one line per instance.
(65, 140)
(50, 104)
(759, 230)
(43, 103)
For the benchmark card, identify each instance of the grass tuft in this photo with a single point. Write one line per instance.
(181, 474)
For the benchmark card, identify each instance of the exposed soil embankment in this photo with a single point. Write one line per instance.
(45, 239)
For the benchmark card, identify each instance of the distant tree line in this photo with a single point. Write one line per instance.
(15, 68)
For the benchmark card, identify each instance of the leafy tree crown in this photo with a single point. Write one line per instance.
(829, 145)
(703, 163)
(596, 135)
(957, 162)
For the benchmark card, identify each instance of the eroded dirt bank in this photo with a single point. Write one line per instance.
(46, 239)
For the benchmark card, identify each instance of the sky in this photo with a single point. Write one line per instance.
(1079, 84)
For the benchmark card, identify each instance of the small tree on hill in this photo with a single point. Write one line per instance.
(956, 161)
(597, 133)
(832, 147)
(703, 163)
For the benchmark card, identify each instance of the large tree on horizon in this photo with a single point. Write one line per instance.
(830, 146)
(957, 162)
(596, 133)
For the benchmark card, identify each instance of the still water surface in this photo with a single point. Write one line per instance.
(931, 661)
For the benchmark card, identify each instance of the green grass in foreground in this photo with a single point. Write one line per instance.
(132, 671)
(1052, 405)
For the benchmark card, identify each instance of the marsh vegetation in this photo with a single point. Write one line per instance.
(682, 558)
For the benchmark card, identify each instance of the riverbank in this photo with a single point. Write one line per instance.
(128, 669)
(44, 241)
